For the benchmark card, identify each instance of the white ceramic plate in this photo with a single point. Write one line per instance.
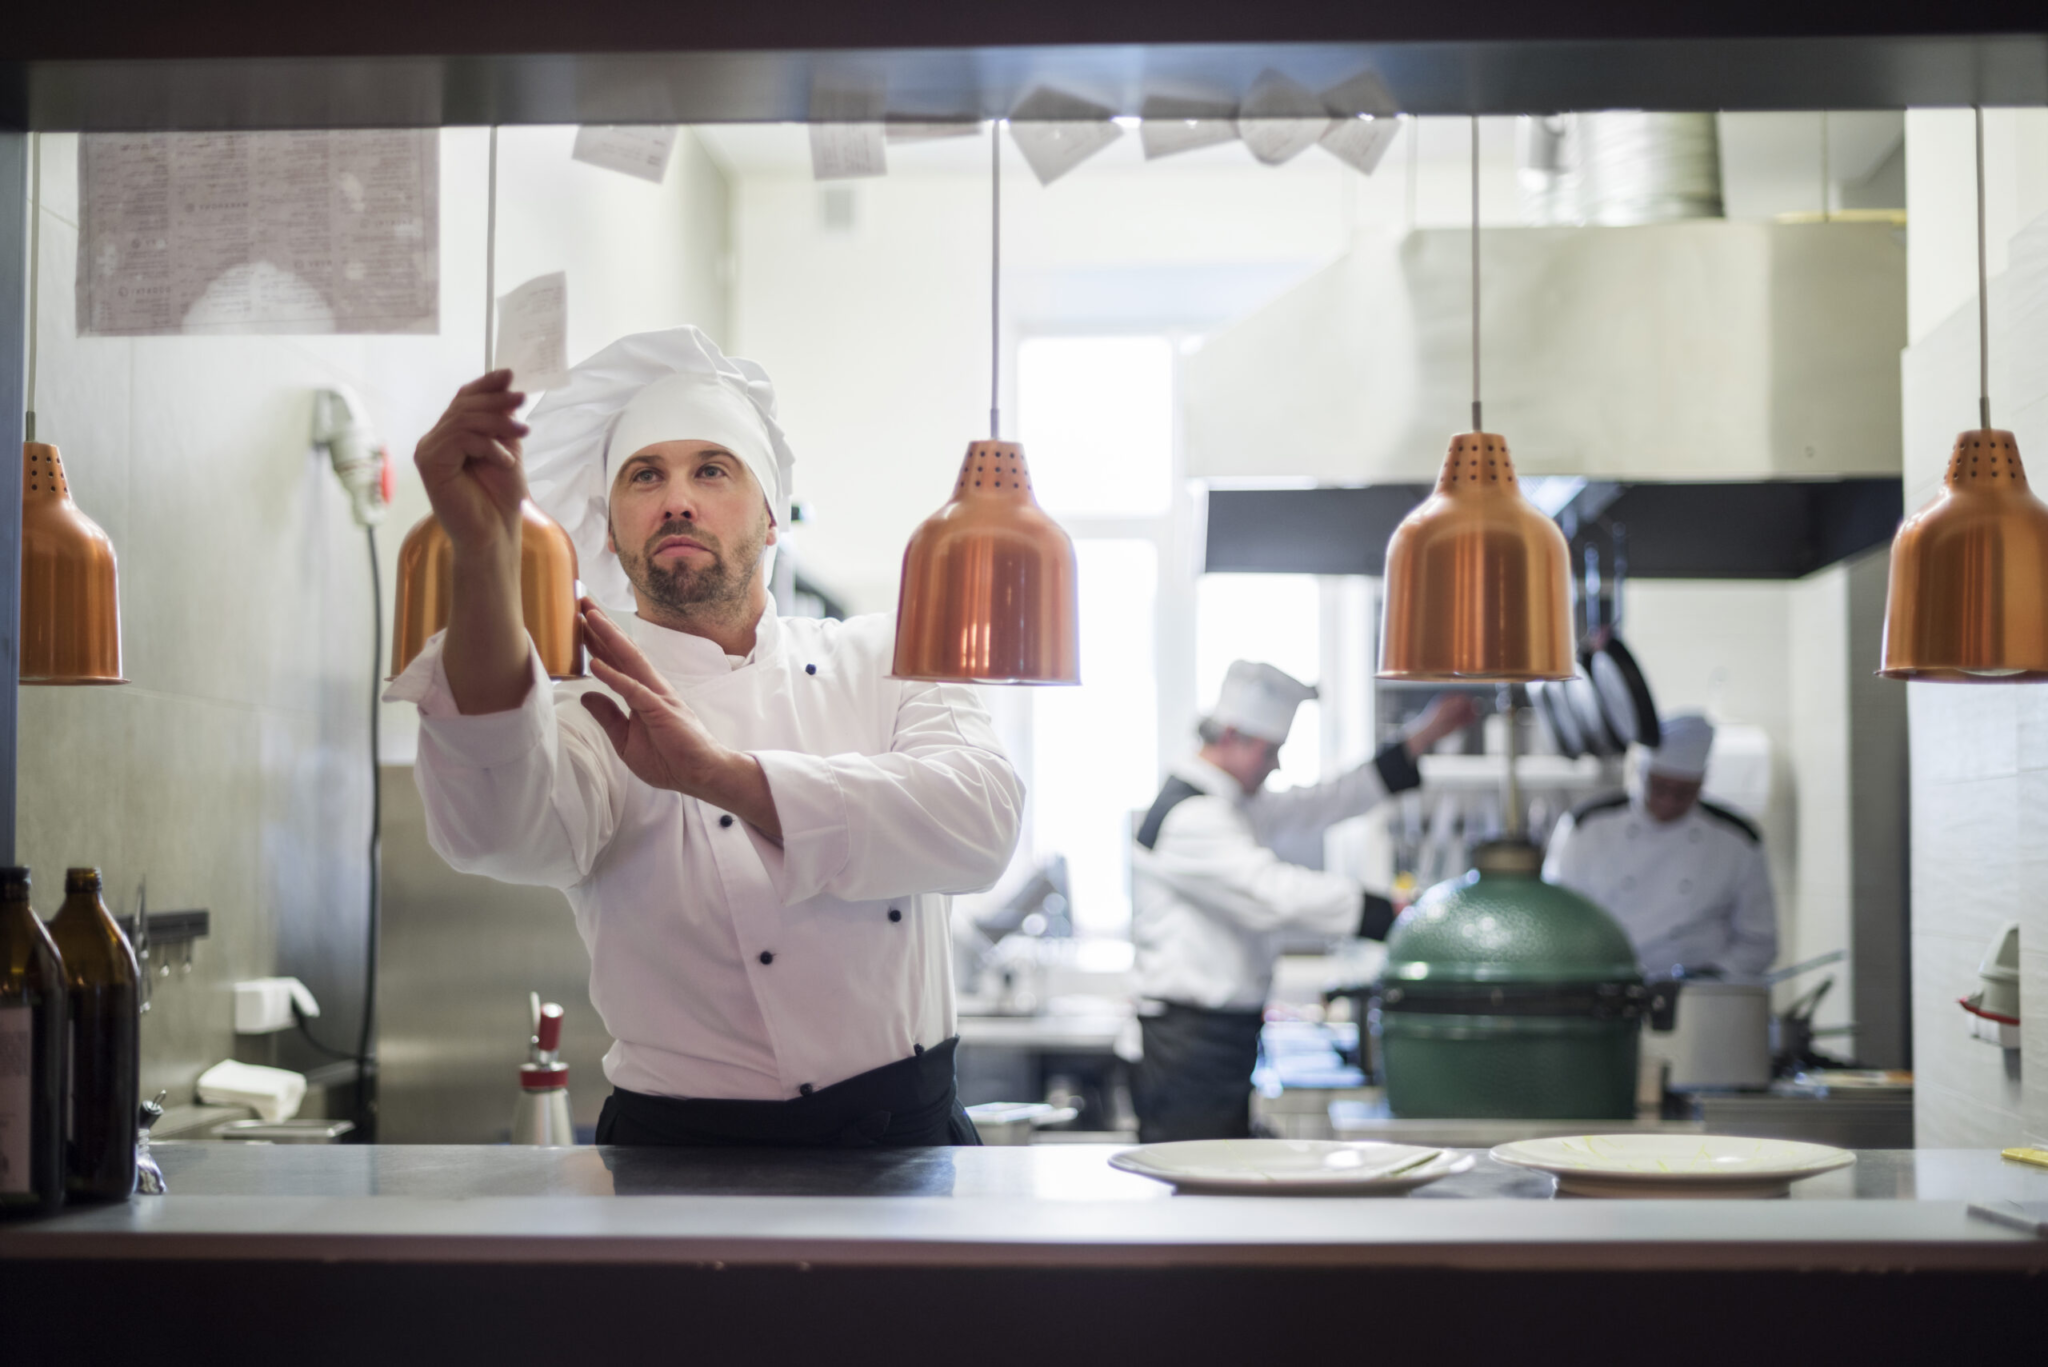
(1290, 1167)
(1662, 1166)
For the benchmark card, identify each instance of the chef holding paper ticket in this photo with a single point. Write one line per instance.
(756, 827)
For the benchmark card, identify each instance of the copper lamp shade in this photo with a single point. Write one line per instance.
(547, 591)
(1478, 580)
(988, 592)
(1968, 601)
(70, 604)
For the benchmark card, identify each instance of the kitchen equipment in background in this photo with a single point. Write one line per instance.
(1621, 690)
(988, 593)
(1721, 1037)
(1478, 581)
(1558, 718)
(542, 1116)
(1290, 1167)
(1670, 1166)
(1968, 599)
(1504, 995)
(1014, 1122)
(1717, 1033)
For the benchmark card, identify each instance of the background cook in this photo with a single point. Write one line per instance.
(1211, 900)
(1686, 878)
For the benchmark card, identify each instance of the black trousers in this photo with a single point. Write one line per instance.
(1195, 1081)
(911, 1103)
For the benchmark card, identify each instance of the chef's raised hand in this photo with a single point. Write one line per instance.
(1446, 713)
(661, 740)
(469, 462)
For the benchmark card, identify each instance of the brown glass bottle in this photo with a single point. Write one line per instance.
(100, 978)
(34, 1049)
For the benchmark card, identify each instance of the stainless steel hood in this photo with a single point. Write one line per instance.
(1701, 350)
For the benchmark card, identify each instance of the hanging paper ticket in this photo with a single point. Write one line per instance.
(640, 150)
(280, 233)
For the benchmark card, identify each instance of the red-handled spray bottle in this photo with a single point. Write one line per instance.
(543, 1114)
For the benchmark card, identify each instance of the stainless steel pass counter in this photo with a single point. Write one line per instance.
(445, 1249)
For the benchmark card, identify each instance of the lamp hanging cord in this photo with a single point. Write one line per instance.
(366, 1054)
(995, 278)
(1983, 291)
(491, 257)
(35, 247)
(1477, 424)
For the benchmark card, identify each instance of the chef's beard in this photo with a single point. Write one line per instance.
(688, 589)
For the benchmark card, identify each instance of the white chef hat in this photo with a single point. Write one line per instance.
(673, 385)
(1687, 739)
(1259, 700)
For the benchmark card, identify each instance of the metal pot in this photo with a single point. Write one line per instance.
(1720, 1036)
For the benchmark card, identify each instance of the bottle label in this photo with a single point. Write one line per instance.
(17, 1068)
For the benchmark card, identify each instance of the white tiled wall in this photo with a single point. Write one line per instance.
(232, 772)
(1980, 753)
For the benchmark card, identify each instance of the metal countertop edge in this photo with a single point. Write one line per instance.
(1912, 1236)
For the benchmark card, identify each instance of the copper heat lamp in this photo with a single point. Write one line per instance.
(989, 592)
(547, 557)
(70, 597)
(1968, 600)
(70, 602)
(1478, 580)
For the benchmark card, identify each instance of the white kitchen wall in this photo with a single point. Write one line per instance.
(232, 772)
(1979, 753)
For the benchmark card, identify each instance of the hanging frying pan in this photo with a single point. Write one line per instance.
(1578, 694)
(1558, 719)
(1620, 691)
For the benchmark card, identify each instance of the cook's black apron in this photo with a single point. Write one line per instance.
(1195, 1080)
(910, 1103)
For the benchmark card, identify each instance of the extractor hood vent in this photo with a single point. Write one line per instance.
(1702, 350)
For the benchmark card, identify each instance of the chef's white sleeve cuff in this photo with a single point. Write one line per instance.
(485, 740)
(811, 806)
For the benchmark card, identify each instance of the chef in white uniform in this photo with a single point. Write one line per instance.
(1212, 901)
(756, 827)
(1686, 878)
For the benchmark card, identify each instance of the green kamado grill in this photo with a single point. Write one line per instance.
(1506, 996)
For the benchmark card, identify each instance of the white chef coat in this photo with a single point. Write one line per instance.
(1211, 902)
(1694, 892)
(723, 966)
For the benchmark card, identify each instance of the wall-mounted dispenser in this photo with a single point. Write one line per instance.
(1995, 1006)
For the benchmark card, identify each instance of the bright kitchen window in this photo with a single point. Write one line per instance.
(1096, 416)
(1096, 419)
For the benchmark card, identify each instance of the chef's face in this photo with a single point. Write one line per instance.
(689, 523)
(1247, 759)
(1666, 798)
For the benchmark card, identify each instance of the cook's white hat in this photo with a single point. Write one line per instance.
(673, 385)
(1688, 737)
(1259, 700)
